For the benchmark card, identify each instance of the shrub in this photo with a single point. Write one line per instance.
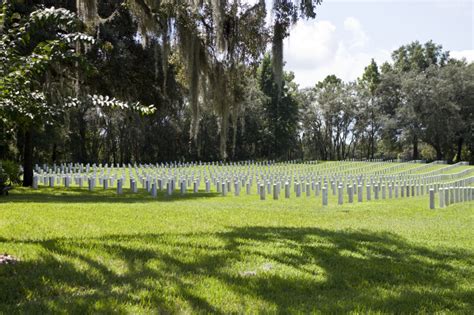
(11, 170)
(3, 176)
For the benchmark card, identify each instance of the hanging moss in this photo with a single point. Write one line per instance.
(220, 102)
(87, 12)
(190, 48)
(218, 8)
(142, 12)
(207, 35)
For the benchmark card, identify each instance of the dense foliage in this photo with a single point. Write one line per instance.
(74, 78)
(420, 106)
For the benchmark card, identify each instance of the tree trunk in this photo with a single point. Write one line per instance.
(54, 155)
(415, 148)
(28, 158)
(368, 148)
(471, 155)
(82, 137)
(439, 154)
(459, 154)
(372, 147)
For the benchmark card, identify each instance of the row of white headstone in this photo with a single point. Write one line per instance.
(454, 192)
(335, 170)
(330, 171)
(81, 167)
(329, 168)
(270, 178)
(108, 180)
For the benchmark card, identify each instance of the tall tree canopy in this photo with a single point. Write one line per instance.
(40, 50)
(217, 40)
(214, 71)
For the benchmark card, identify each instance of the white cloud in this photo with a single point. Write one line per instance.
(310, 42)
(316, 49)
(460, 54)
(359, 38)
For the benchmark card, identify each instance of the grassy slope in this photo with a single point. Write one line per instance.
(98, 252)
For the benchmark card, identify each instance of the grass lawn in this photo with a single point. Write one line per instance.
(83, 252)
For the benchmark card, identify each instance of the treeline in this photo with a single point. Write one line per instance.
(418, 106)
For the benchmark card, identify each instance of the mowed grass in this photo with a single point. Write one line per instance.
(96, 252)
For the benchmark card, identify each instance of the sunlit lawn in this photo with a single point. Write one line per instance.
(83, 252)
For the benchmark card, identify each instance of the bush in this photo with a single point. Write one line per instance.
(3, 180)
(11, 170)
(3, 176)
(427, 152)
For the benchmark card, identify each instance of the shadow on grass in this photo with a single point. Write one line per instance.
(98, 195)
(312, 269)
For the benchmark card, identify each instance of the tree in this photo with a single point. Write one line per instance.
(389, 99)
(448, 108)
(280, 112)
(39, 51)
(467, 111)
(329, 119)
(312, 125)
(285, 14)
(418, 57)
(36, 52)
(370, 107)
(217, 40)
(410, 61)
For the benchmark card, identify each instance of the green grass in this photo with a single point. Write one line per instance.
(458, 169)
(97, 252)
(431, 168)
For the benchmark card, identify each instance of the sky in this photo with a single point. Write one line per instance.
(346, 34)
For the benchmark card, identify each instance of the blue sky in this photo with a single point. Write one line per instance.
(347, 33)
